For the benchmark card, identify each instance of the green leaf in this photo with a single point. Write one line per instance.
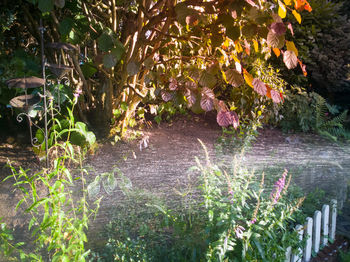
(60, 3)
(45, 5)
(124, 106)
(234, 78)
(66, 26)
(90, 138)
(233, 32)
(93, 188)
(148, 63)
(19, 204)
(133, 68)
(118, 52)
(109, 182)
(109, 60)
(249, 30)
(88, 69)
(216, 39)
(182, 11)
(105, 42)
(207, 80)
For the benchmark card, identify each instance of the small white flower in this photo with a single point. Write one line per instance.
(239, 231)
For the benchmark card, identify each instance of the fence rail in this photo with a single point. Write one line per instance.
(318, 229)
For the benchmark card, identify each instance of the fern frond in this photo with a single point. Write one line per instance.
(340, 119)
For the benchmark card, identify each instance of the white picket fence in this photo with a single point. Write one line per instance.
(320, 229)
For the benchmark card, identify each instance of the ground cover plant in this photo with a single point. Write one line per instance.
(230, 214)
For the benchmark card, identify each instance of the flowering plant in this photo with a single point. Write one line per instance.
(244, 219)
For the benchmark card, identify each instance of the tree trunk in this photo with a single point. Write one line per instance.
(100, 116)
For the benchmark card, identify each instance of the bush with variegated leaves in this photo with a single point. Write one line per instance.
(152, 51)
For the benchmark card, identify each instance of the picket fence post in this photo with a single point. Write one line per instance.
(333, 219)
(308, 234)
(297, 257)
(288, 254)
(325, 225)
(318, 230)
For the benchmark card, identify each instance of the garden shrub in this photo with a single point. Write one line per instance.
(59, 220)
(308, 112)
(323, 44)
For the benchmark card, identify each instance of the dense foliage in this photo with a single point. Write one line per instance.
(323, 42)
(190, 52)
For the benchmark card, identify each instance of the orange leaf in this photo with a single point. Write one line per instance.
(288, 2)
(297, 16)
(268, 91)
(247, 47)
(299, 4)
(303, 67)
(308, 7)
(248, 78)
(276, 51)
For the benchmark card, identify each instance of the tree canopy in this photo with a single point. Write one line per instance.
(192, 52)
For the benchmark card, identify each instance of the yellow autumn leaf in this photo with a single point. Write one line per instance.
(256, 46)
(291, 47)
(297, 16)
(282, 10)
(288, 2)
(238, 47)
(248, 78)
(224, 76)
(234, 58)
(226, 44)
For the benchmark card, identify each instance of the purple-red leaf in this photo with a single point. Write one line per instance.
(274, 40)
(173, 84)
(275, 96)
(290, 59)
(226, 118)
(207, 100)
(191, 85)
(278, 28)
(208, 92)
(207, 103)
(166, 96)
(290, 27)
(259, 86)
(191, 97)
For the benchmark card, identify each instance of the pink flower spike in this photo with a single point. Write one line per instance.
(78, 92)
(278, 187)
(253, 221)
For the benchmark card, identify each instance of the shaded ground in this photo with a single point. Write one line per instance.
(171, 151)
